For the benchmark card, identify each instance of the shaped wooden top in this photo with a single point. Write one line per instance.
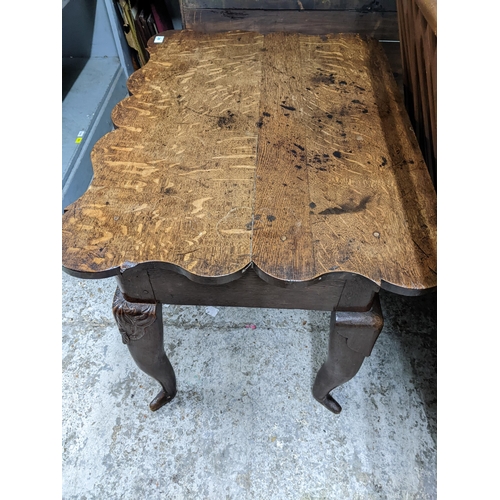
(286, 151)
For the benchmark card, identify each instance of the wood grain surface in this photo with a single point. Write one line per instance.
(379, 25)
(290, 153)
(418, 33)
(358, 5)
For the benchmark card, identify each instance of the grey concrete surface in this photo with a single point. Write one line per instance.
(244, 424)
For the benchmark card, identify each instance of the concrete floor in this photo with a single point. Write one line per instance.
(244, 424)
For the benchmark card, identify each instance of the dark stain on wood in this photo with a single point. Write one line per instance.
(326, 79)
(347, 208)
(226, 121)
(231, 14)
(373, 6)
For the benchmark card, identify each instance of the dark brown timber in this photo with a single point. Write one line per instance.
(141, 327)
(352, 337)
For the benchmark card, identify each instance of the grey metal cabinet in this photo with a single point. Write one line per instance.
(95, 66)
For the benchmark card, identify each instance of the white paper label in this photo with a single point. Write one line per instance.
(212, 311)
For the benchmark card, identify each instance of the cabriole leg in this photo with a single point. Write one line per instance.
(141, 327)
(352, 337)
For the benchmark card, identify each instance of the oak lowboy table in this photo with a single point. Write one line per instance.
(255, 170)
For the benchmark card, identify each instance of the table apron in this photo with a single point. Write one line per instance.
(355, 293)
